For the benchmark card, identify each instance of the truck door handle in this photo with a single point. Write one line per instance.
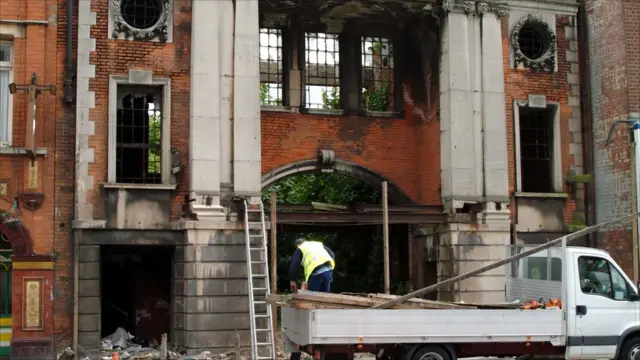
(581, 310)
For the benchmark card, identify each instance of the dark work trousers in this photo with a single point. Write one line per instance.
(321, 283)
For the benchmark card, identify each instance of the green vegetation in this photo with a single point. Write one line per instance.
(358, 249)
(266, 99)
(155, 145)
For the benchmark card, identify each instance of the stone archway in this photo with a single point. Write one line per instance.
(17, 234)
(368, 176)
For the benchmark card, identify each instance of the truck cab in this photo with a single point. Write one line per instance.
(603, 317)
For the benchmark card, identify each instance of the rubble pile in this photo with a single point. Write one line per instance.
(121, 346)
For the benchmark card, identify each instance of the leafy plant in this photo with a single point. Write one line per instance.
(265, 97)
(331, 99)
(155, 134)
(377, 99)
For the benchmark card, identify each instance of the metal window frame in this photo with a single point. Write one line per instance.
(556, 145)
(165, 157)
(9, 67)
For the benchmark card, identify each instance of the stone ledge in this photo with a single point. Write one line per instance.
(20, 151)
(541, 195)
(139, 186)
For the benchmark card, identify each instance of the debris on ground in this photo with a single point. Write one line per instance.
(121, 345)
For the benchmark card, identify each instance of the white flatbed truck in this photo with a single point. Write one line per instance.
(599, 319)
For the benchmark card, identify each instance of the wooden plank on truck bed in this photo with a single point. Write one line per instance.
(423, 303)
(317, 300)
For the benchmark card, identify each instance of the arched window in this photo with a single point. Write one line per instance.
(5, 295)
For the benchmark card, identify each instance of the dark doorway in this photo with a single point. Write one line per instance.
(136, 290)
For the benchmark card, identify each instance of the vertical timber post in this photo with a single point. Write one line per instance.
(385, 236)
(634, 227)
(274, 260)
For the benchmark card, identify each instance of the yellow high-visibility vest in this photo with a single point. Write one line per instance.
(314, 254)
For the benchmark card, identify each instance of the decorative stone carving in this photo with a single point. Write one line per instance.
(157, 31)
(547, 61)
(469, 7)
(32, 200)
(326, 157)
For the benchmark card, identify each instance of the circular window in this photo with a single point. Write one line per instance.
(532, 42)
(141, 14)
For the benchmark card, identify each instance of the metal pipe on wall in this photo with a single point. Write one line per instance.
(68, 74)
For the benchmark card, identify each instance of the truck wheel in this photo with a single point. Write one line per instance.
(431, 352)
(630, 349)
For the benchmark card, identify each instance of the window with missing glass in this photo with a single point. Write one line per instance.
(139, 134)
(322, 71)
(377, 74)
(271, 68)
(6, 77)
(536, 149)
(141, 14)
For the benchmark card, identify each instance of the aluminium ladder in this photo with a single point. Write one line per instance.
(260, 312)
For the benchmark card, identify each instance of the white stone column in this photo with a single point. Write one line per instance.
(246, 105)
(460, 120)
(227, 23)
(472, 118)
(204, 148)
(493, 103)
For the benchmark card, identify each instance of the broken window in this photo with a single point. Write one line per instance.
(322, 73)
(5, 278)
(536, 150)
(139, 133)
(271, 67)
(377, 74)
(141, 14)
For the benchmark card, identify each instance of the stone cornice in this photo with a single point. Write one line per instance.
(469, 7)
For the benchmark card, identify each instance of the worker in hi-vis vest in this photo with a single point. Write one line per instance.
(317, 261)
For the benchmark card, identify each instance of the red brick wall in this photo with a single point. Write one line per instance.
(520, 83)
(42, 51)
(614, 70)
(116, 57)
(382, 145)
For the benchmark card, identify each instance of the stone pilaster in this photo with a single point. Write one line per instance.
(205, 114)
(211, 306)
(472, 104)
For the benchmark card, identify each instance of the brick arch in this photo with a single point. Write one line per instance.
(18, 236)
(368, 176)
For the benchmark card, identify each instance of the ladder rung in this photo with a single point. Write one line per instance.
(263, 357)
(263, 329)
(256, 248)
(257, 262)
(255, 235)
(264, 344)
(259, 289)
(259, 302)
(259, 275)
(261, 315)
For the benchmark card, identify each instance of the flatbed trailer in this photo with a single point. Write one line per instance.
(598, 319)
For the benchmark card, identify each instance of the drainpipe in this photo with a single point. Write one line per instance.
(586, 118)
(68, 74)
(68, 99)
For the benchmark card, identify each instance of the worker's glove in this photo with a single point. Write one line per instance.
(293, 286)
